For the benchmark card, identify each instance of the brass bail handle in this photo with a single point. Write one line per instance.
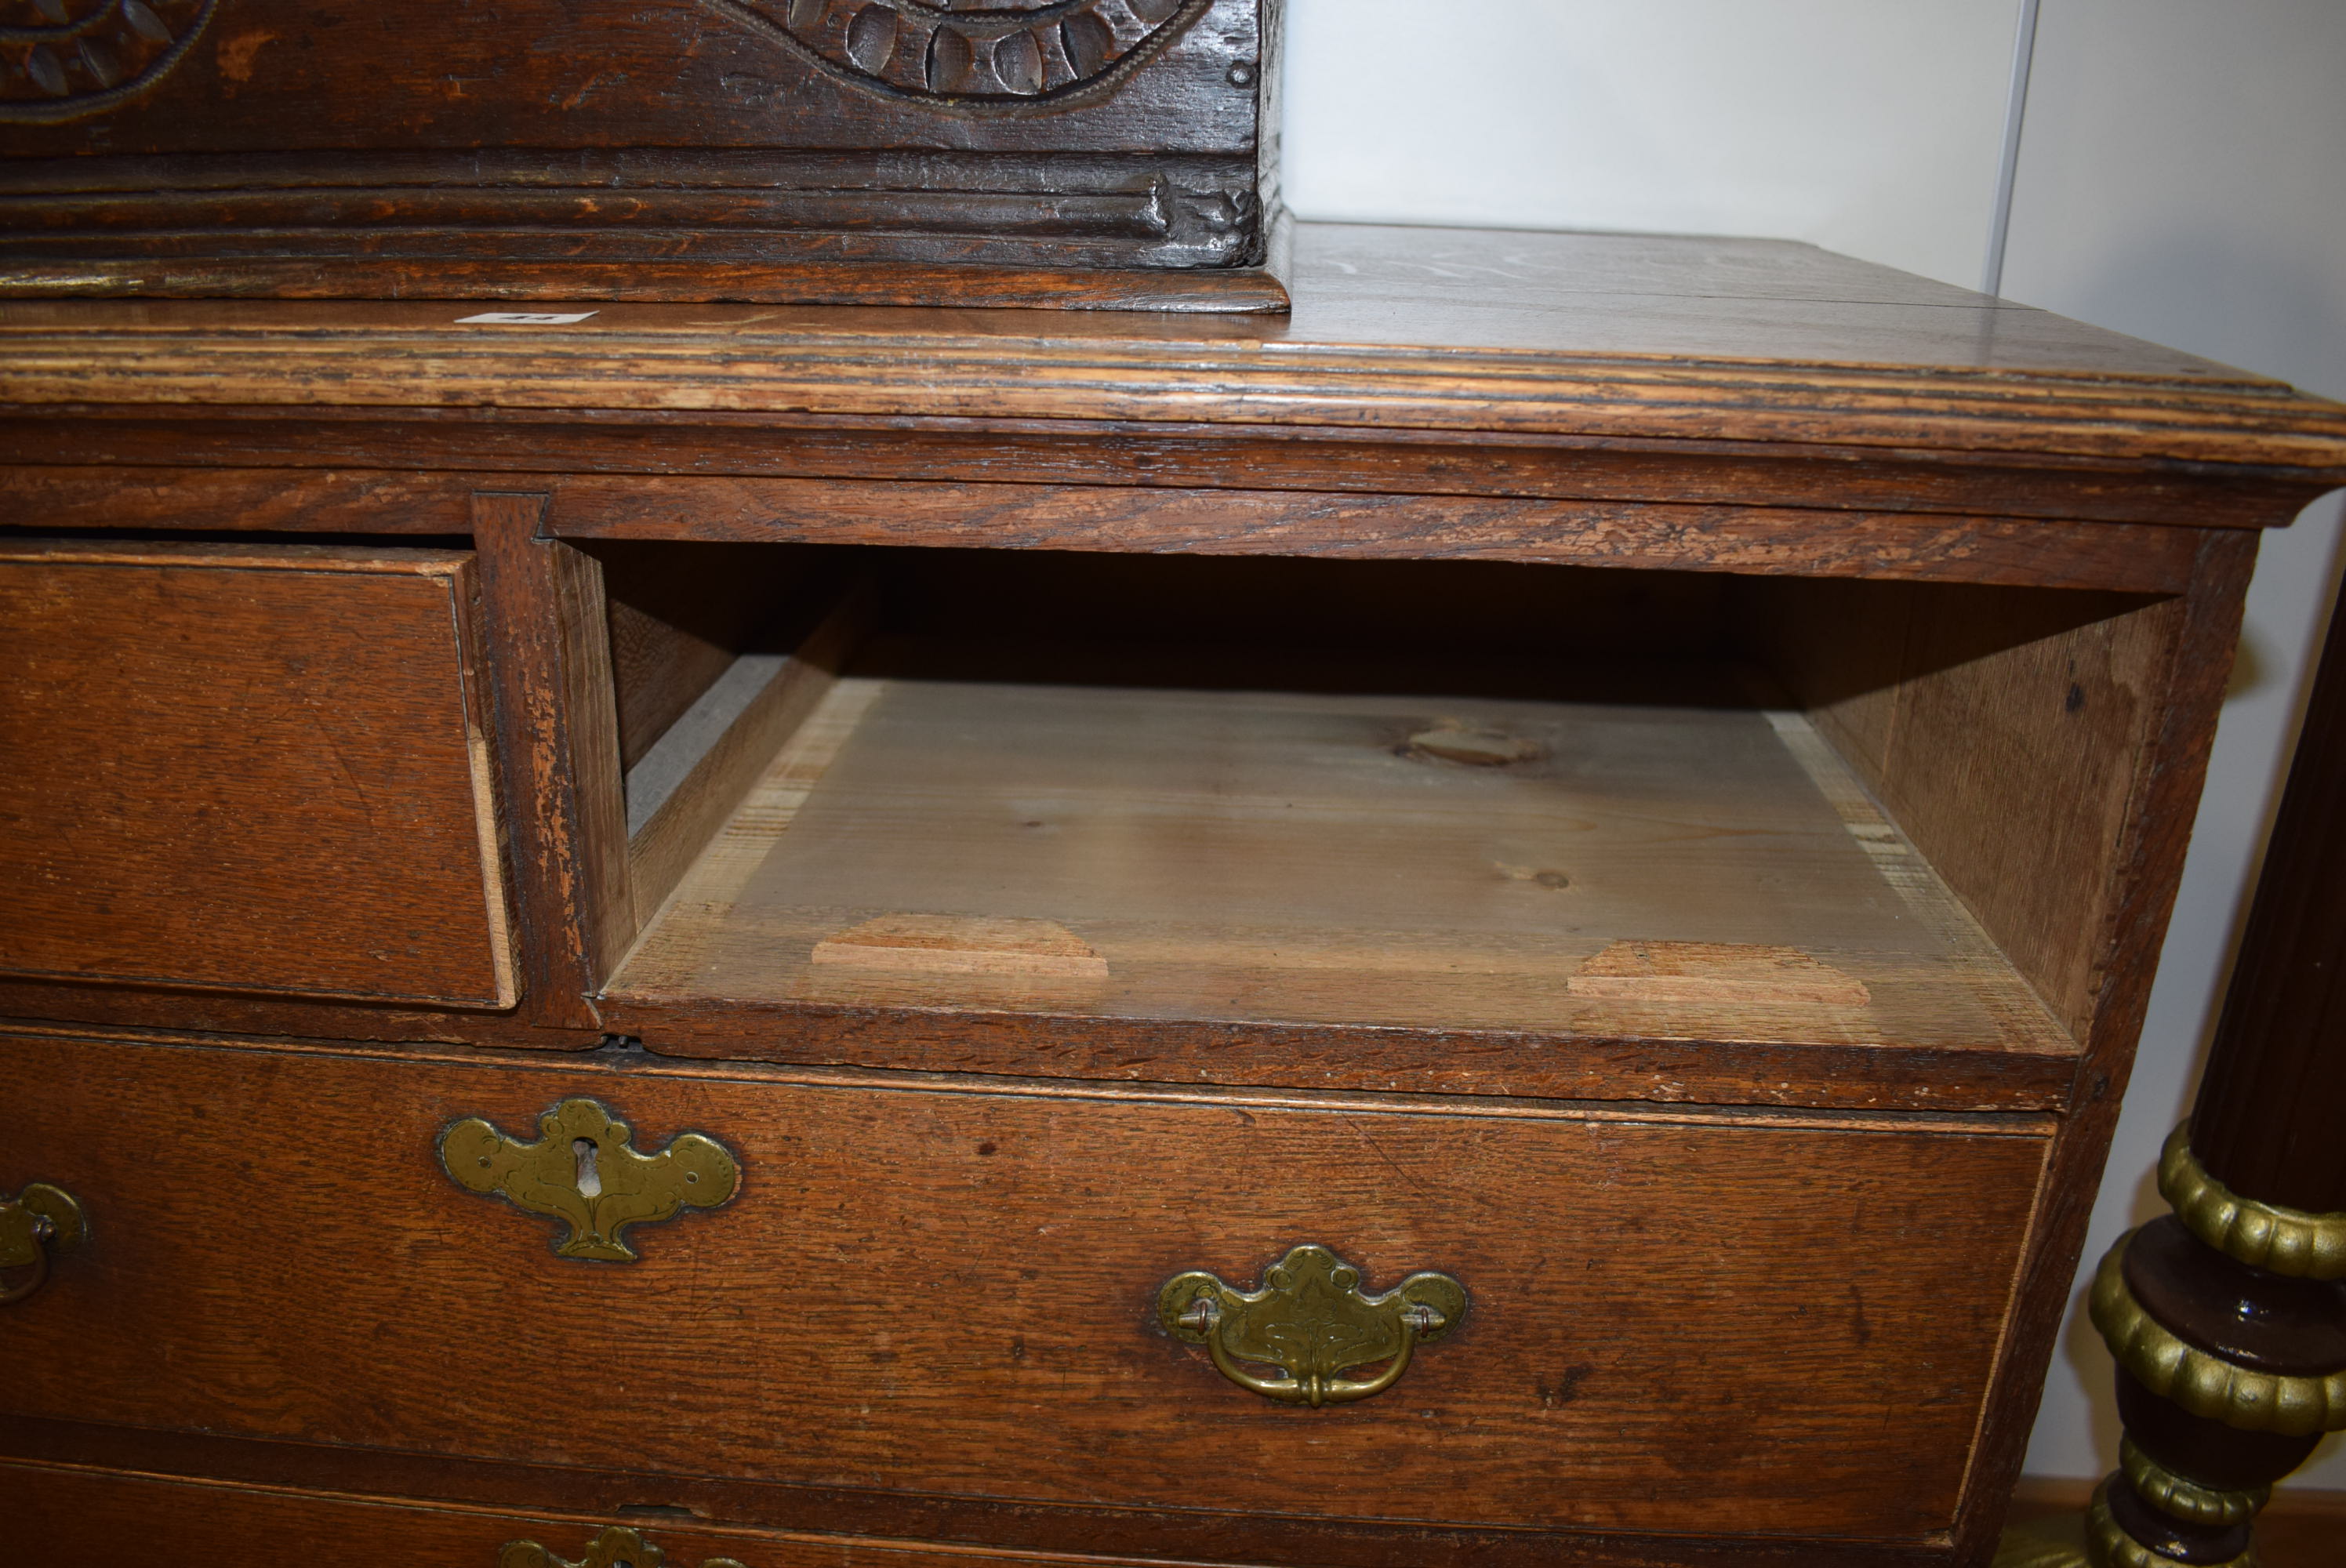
(1313, 1321)
(34, 1224)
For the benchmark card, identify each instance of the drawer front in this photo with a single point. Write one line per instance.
(1673, 1322)
(61, 1514)
(253, 769)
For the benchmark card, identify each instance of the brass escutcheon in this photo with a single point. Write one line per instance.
(617, 1547)
(34, 1225)
(1310, 1321)
(583, 1172)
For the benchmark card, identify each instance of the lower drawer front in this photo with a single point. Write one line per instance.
(62, 1515)
(1675, 1323)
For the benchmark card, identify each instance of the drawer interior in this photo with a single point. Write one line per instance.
(1531, 804)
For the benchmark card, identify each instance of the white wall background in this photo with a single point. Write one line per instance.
(2181, 176)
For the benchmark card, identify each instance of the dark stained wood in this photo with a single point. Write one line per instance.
(257, 500)
(2150, 870)
(70, 1514)
(344, 270)
(705, 443)
(913, 1279)
(543, 606)
(133, 1008)
(1675, 1070)
(2274, 1094)
(2173, 1538)
(201, 739)
(2204, 1449)
(742, 150)
(105, 1509)
(1741, 539)
(2245, 1315)
(1399, 329)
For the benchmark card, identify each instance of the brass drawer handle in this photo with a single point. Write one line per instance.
(35, 1224)
(584, 1171)
(617, 1547)
(1311, 1321)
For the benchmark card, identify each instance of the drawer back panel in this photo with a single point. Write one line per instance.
(1674, 1321)
(251, 770)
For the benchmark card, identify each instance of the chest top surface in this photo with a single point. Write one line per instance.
(1510, 333)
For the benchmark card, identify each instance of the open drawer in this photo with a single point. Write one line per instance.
(1499, 830)
(248, 768)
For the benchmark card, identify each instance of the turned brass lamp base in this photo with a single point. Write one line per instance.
(2056, 1543)
(2093, 1539)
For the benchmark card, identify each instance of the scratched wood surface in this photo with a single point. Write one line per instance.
(248, 768)
(925, 1289)
(1622, 336)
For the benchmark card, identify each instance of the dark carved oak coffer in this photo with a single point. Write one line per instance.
(1105, 153)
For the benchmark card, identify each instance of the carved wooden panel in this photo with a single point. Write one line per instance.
(690, 148)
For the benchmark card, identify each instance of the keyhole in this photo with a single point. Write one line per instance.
(590, 1180)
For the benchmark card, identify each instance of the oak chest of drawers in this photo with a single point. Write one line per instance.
(1499, 922)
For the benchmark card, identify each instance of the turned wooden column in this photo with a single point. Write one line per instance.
(2228, 1317)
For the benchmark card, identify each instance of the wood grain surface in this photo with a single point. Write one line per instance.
(729, 150)
(576, 80)
(1742, 539)
(1285, 855)
(203, 740)
(2007, 733)
(65, 459)
(709, 791)
(1053, 278)
(96, 1514)
(2197, 670)
(951, 1291)
(558, 728)
(72, 1514)
(1394, 329)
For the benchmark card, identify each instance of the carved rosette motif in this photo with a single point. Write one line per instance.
(62, 59)
(985, 56)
